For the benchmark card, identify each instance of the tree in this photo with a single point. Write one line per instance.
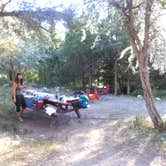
(33, 16)
(111, 41)
(135, 22)
(140, 48)
(25, 28)
(81, 56)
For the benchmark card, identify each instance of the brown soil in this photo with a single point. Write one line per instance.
(102, 137)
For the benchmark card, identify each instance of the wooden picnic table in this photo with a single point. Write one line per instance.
(63, 107)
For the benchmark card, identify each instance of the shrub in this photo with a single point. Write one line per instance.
(3, 81)
(139, 122)
(162, 126)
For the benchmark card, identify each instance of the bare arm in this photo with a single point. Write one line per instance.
(26, 86)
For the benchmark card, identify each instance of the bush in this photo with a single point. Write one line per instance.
(159, 93)
(137, 92)
(139, 122)
(162, 126)
(3, 81)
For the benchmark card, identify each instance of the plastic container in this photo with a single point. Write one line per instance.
(39, 104)
(29, 101)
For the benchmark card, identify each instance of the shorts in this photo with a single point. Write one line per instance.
(80, 104)
(20, 102)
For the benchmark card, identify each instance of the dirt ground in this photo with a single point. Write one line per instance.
(102, 137)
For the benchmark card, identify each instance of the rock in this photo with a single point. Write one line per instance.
(42, 136)
(17, 137)
(163, 137)
(139, 96)
(22, 131)
(158, 99)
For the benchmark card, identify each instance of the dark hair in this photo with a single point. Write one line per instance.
(81, 92)
(17, 80)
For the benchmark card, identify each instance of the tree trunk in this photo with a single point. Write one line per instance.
(148, 95)
(90, 81)
(12, 72)
(128, 83)
(115, 78)
(141, 51)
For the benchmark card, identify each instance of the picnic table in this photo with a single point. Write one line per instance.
(62, 106)
(50, 104)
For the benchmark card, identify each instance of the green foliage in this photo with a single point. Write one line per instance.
(163, 2)
(3, 80)
(7, 110)
(6, 104)
(137, 91)
(80, 56)
(74, 63)
(162, 126)
(159, 93)
(139, 122)
(86, 57)
(31, 75)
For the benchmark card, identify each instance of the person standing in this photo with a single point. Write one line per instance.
(18, 97)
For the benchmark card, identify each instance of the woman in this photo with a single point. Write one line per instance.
(18, 97)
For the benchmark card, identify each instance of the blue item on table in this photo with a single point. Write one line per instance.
(29, 101)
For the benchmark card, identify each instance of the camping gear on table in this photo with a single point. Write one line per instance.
(51, 104)
(50, 110)
(35, 99)
(39, 104)
(62, 106)
(29, 100)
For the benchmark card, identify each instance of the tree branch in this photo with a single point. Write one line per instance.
(138, 6)
(127, 12)
(44, 14)
(148, 11)
(4, 5)
(44, 28)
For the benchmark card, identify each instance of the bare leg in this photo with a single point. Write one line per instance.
(76, 109)
(22, 111)
(18, 114)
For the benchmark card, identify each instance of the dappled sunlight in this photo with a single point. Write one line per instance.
(131, 162)
(90, 143)
(6, 143)
(156, 160)
(164, 116)
(16, 151)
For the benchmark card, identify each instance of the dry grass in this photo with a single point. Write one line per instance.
(112, 138)
(20, 152)
(14, 151)
(7, 115)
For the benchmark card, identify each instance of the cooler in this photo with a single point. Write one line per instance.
(39, 104)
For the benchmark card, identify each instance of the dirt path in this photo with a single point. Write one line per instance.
(102, 136)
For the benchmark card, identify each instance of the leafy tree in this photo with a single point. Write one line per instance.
(111, 40)
(24, 26)
(129, 11)
(141, 50)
